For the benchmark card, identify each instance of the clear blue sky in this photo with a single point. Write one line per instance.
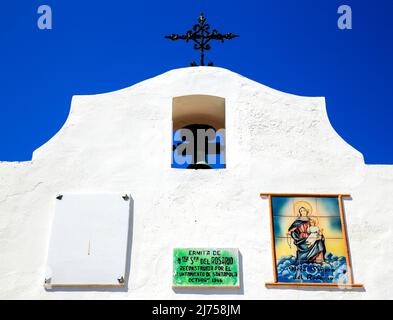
(100, 46)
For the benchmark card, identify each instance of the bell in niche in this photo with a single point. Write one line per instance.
(199, 165)
(202, 135)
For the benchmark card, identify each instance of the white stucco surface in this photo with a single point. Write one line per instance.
(121, 142)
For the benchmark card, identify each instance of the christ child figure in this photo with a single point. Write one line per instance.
(314, 232)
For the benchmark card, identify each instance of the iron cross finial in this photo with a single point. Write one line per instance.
(202, 35)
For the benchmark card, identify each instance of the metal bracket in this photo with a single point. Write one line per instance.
(121, 280)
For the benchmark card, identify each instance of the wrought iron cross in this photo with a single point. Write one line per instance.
(202, 35)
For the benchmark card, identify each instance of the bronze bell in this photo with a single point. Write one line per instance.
(199, 165)
(199, 159)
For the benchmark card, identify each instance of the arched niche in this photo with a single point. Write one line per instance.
(199, 112)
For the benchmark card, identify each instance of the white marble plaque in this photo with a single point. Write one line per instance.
(89, 238)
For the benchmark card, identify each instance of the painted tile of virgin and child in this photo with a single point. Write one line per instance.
(309, 242)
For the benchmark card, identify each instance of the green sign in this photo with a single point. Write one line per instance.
(193, 267)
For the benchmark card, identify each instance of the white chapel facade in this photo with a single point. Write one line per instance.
(121, 143)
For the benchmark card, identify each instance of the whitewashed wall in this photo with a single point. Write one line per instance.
(121, 142)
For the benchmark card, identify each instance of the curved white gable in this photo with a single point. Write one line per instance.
(151, 100)
(121, 142)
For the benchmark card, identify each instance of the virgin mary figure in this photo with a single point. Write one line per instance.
(307, 251)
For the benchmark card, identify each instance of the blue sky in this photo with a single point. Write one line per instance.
(100, 46)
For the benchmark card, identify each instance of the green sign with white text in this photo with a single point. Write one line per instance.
(193, 267)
